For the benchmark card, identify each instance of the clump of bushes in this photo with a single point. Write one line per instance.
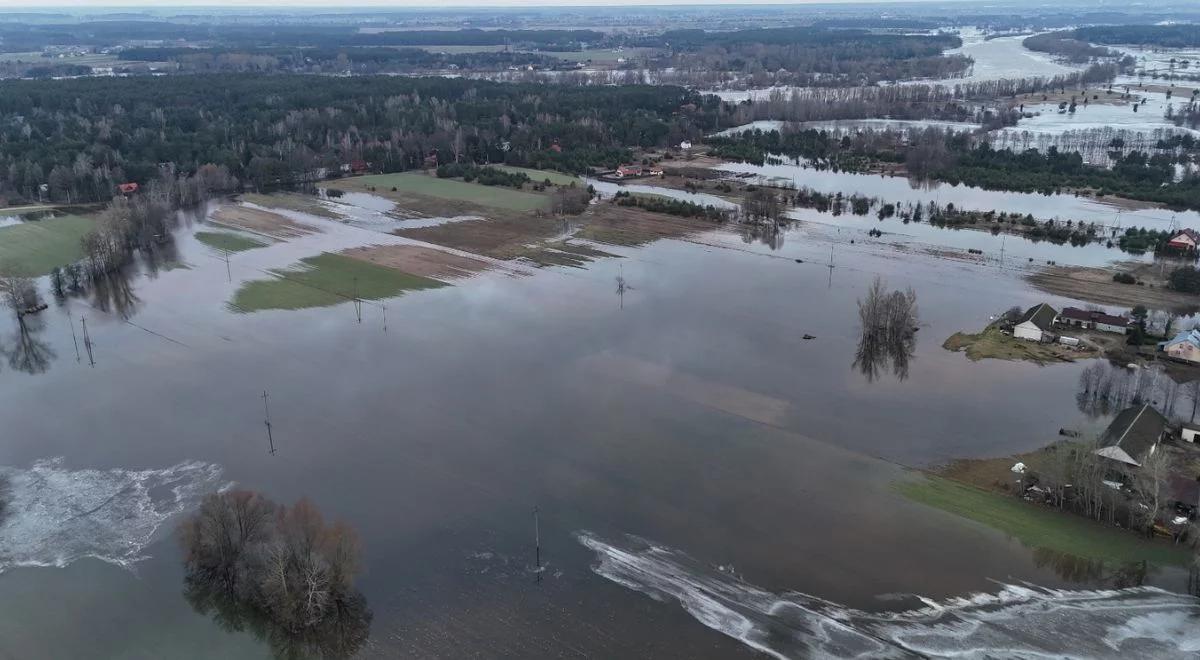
(1124, 278)
(281, 571)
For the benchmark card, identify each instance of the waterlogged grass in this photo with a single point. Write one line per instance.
(326, 280)
(226, 242)
(1037, 526)
(453, 189)
(994, 344)
(291, 202)
(33, 249)
(539, 176)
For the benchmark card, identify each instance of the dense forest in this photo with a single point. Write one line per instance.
(1179, 35)
(82, 137)
(1065, 46)
(810, 56)
(358, 60)
(18, 37)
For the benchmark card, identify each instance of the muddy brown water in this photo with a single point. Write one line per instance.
(691, 413)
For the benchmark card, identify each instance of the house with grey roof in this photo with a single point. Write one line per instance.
(1133, 435)
(1035, 324)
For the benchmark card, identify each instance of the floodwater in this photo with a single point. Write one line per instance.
(901, 189)
(1004, 57)
(686, 409)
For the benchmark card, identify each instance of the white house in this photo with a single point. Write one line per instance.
(1189, 432)
(1183, 346)
(1035, 323)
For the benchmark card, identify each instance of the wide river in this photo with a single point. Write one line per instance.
(682, 440)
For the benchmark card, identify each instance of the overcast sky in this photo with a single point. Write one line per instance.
(27, 5)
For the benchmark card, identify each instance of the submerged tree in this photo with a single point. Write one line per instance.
(280, 572)
(889, 323)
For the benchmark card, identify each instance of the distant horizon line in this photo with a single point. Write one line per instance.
(146, 5)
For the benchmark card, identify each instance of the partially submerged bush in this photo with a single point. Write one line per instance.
(279, 570)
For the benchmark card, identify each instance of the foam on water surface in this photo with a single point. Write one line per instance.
(55, 515)
(1019, 621)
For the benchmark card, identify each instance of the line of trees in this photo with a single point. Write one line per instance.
(671, 206)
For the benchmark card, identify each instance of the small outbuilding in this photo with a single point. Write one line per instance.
(1035, 324)
(1189, 432)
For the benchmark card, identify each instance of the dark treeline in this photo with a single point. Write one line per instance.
(360, 60)
(810, 56)
(903, 45)
(915, 101)
(18, 37)
(82, 137)
(1067, 47)
(671, 206)
(957, 157)
(488, 176)
(1180, 35)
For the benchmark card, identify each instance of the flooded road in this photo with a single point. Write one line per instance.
(686, 408)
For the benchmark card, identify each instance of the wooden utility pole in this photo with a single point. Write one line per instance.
(73, 338)
(357, 302)
(87, 342)
(267, 421)
(537, 544)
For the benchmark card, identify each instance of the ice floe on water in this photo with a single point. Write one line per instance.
(55, 515)
(1016, 622)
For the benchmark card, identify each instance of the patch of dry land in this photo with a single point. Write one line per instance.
(1096, 285)
(1094, 96)
(416, 260)
(623, 225)
(993, 343)
(258, 221)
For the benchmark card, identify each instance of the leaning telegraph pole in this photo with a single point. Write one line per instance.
(267, 421)
(537, 545)
(87, 341)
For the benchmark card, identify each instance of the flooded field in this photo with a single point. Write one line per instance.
(900, 189)
(681, 404)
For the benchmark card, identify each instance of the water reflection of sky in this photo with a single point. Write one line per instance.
(900, 189)
(436, 437)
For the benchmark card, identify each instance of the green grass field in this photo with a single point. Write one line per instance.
(1037, 526)
(453, 189)
(326, 280)
(33, 249)
(538, 176)
(224, 241)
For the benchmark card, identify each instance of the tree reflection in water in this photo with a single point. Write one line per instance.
(113, 293)
(339, 634)
(26, 351)
(278, 572)
(1106, 389)
(889, 322)
(1092, 571)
